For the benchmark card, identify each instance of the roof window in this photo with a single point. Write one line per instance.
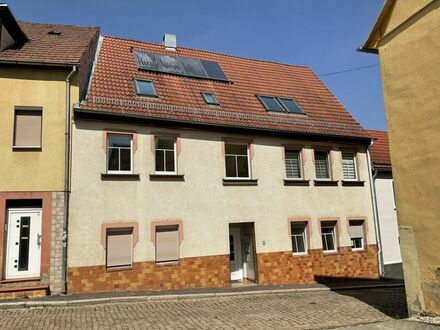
(145, 88)
(280, 104)
(210, 98)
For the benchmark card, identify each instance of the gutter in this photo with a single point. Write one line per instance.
(49, 64)
(372, 178)
(66, 181)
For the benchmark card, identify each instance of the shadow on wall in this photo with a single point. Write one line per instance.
(389, 300)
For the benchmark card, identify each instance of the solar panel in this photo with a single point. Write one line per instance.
(182, 66)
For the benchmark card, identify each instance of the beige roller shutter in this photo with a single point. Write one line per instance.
(119, 247)
(356, 229)
(167, 243)
(27, 128)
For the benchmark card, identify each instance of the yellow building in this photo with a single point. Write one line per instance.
(407, 38)
(44, 70)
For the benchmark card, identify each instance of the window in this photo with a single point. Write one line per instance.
(119, 243)
(349, 165)
(290, 105)
(237, 161)
(299, 237)
(328, 236)
(270, 103)
(165, 155)
(292, 159)
(119, 153)
(357, 234)
(27, 128)
(321, 165)
(167, 243)
(145, 88)
(210, 98)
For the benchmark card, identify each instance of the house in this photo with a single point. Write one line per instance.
(197, 169)
(406, 37)
(44, 69)
(385, 204)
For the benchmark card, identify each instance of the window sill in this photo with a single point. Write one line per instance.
(118, 269)
(300, 254)
(18, 148)
(325, 183)
(358, 250)
(240, 182)
(167, 177)
(119, 177)
(326, 253)
(296, 182)
(353, 183)
(167, 263)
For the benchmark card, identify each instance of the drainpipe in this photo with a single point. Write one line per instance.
(66, 181)
(372, 178)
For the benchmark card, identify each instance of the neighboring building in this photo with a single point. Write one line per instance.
(197, 169)
(35, 61)
(407, 38)
(386, 206)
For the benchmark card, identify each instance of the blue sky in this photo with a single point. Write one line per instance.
(321, 34)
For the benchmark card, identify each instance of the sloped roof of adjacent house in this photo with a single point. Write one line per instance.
(380, 152)
(50, 44)
(179, 98)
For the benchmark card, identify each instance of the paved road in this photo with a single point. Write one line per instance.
(309, 310)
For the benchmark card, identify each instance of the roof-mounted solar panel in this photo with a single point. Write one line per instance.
(182, 66)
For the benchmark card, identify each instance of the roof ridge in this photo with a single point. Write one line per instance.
(376, 130)
(213, 52)
(59, 24)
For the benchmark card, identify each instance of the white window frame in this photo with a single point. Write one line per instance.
(362, 237)
(329, 169)
(334, 236)
(354, 165)
(236, 164)
(301, 172)
(107, 154)
(175, 155)
(304, 235)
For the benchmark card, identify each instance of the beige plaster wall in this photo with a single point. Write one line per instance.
(202, 202)
(33, 170)
(410, 66)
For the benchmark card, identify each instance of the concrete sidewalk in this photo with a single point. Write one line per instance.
(406, 324)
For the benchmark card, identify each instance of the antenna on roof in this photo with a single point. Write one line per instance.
(170, 42)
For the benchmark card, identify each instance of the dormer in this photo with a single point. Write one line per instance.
(10, 32)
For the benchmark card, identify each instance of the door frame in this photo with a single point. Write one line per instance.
(236, 232)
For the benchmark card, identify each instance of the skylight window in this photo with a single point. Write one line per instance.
(280, 104)
(210, 98)
(145, 88)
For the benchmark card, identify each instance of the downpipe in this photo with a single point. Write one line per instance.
(66, 181)
(372, 178)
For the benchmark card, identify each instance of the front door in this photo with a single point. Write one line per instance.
(235, 258)
(23, 249)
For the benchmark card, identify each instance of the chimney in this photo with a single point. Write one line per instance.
(169, 41)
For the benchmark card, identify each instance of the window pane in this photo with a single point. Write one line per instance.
(27, 128)
(113, 159)
(321, 165)
(145, 88)
(231, 169)
(348, 166)
(356, 243)
(169, 158)
(119, 141)
(293, 164)
(270, 103)
(165, 144)
(125, 160)
(236, 149)
(290, 105)
(160, 160)
(300, 243)
(242, 166)
(330, 243)
(210, 98)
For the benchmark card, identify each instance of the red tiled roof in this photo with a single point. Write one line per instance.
(42, 47)
(180, 99)
(380, 152)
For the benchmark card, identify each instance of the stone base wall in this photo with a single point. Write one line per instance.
(199, 272)
(284, 268)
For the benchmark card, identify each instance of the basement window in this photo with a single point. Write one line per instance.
(145, 88)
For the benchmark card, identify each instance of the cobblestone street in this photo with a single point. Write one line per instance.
(308, 310)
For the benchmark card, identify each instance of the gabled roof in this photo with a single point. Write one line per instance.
(112, 91)
(50, 44)
(380, 152)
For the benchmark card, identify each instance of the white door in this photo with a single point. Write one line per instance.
(235, 258)
(23, 245)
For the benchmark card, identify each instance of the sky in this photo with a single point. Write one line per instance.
(320, 34)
